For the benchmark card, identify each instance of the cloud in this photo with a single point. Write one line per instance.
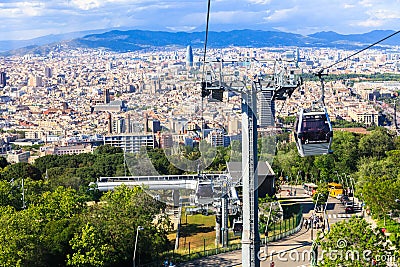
(282, 14)
(260, 2)
(348, 6)
(366, 3)
(299, 16)
(21, 9)
(233, 16)
(181, 28)
(386, 14)
(370, 23)
(86, 4)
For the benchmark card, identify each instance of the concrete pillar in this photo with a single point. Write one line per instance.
(176, 197)
(225, 214)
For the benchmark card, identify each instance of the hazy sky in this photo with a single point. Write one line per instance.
(28, 19)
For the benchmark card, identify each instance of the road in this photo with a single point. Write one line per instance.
(292, 251)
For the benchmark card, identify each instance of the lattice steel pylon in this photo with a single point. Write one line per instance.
(282, 84)
(250, 234)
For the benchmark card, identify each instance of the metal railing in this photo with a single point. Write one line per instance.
(277, 232)
(284, 228)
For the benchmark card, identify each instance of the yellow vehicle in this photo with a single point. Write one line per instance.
(335, 189)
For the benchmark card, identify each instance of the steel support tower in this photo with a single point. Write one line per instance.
(282, 86)
(250, 234)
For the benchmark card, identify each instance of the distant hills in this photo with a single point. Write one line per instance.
(43, 40)
(358, 39)
(133, 40)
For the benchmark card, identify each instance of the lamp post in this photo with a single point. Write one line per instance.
(352, 187)
(347, 181)
(139, 228)
(313, 216)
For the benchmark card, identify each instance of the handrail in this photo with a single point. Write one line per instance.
(176, 258)
(157, 177)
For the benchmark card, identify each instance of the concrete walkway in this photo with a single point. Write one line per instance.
(300, 240)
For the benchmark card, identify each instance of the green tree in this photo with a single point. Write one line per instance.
(9, 194)
(379, 183)
(220, 159)
(19, 238)
(289, 162)
(40, 234)
(47, 162)
(353, 243)
(345, 151)
(116, 221)
(397, 142)
(21, 170)
(88, 249)
(325, 165)
(65, 161)
(108, 149)
(376, 143)
(321, 195)
(59, 204)
(3, 162)
(55, 239)
(106, 164)
(159, 160)
(266, 205)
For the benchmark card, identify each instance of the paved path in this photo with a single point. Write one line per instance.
(281, 251)
(291, 251)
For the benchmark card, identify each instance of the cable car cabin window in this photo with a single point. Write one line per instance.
(205, 190)
(237, 228)
(315, 129)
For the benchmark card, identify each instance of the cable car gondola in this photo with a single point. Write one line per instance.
(313, 130)
(237, 227)
(204, 192)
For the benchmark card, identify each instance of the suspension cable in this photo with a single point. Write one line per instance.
(319, 73)
(206, 40)
(204, 68)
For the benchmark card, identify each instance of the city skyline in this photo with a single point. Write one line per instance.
(26, 20)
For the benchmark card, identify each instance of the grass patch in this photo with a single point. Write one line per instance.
(198, 232)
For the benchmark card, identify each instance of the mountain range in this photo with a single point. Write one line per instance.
(134, 40)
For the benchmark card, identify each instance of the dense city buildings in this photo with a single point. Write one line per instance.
(91, 97)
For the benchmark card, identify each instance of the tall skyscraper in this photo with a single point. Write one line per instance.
(146, 123)
(297, 56)
(266, 108)
(128, 127)
(155, 85)
(189, 56)
(48, 72)
(35, 81)
(3, 79)
(106, 96)
(156, 126)
(119, 125)
(109, 122)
